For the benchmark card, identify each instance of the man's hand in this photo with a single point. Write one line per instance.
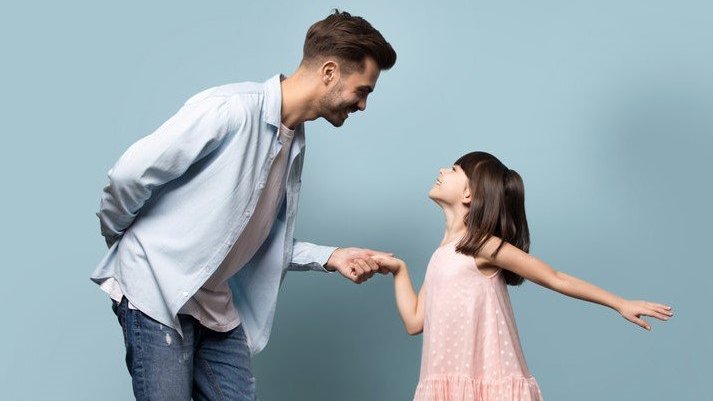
(356, 264)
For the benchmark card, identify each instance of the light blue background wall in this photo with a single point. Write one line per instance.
(605, 108)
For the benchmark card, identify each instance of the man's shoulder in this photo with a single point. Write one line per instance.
(239, 90)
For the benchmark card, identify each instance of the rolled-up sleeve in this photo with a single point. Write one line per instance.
(307, 256)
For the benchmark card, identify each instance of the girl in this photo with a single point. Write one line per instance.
(471, 349)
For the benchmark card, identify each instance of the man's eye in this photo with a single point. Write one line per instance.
(453, 168)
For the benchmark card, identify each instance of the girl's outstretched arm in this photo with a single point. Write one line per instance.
(410, 305)
(515, 260)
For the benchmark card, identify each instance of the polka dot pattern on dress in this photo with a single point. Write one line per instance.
(471, 349)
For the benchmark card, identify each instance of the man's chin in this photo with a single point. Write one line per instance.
(336, 122)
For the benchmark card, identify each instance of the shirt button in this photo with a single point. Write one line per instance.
(185, 293)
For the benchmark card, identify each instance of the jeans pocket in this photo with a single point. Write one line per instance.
(119, 309)
(115, 307)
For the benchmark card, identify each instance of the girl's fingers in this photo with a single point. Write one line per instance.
(664, 311)
(380, 260)
(641, 322)
(383, 261)
(665, 307)
(655, 310)
(657, 314)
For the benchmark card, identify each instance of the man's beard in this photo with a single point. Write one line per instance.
(331, 107)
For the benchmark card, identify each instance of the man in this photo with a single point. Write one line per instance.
(199, 218)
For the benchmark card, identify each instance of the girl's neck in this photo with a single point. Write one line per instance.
(455, 224)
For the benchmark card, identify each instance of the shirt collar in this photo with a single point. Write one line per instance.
(273, 101)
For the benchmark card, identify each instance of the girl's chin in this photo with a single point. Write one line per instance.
(437, 199)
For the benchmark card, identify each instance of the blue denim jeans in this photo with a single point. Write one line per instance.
(203, 365)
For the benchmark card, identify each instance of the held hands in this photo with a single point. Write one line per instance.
(633, 310)
(390, 264)
(356, 264)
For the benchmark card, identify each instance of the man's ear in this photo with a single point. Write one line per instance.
(329, 72)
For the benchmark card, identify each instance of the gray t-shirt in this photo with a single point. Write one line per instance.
(213, 305)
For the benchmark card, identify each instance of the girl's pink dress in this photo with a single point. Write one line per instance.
(471, 348)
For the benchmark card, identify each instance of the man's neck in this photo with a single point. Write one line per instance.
(297, 100)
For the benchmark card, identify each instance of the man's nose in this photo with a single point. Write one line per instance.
(362, 105)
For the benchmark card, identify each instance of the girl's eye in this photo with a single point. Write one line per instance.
(453, 168)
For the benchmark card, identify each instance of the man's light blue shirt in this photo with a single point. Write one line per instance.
(179, 198)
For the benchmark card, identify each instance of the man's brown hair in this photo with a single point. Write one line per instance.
(349, 38)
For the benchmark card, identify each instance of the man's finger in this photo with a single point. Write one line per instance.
(371, 252)
(358, 266)
(354, 270)
(373, 266)
(364, 265)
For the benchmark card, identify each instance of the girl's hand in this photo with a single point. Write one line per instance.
(353, 263)
(390, 263)
(633, 310)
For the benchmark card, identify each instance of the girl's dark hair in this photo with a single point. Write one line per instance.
(349, 38)
(497, 207)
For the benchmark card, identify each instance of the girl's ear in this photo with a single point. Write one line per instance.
(465, 199)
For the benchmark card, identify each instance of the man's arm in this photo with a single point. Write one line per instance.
(192, 133)
(307, 256)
